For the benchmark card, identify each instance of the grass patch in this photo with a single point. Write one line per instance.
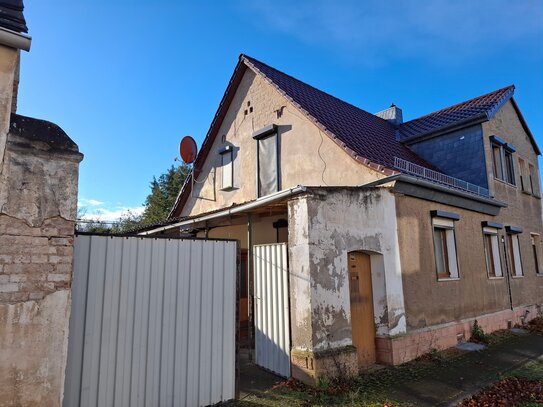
(531, 371)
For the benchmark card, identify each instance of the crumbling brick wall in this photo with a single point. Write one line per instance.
(38, 201)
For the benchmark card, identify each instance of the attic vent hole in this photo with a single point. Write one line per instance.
(251, 109)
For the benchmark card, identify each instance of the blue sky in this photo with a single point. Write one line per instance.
(127, 79)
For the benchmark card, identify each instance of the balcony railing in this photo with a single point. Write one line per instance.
(439, 178)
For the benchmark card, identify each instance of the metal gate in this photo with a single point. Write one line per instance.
(152, 322)
(272, 326)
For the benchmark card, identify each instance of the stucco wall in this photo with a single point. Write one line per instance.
(323, 228)
(430, 302)
(307, 156)
(38, 197)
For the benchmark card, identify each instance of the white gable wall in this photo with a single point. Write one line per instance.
(307, 156)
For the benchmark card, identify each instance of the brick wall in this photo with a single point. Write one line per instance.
(38, 201)
(34, 261)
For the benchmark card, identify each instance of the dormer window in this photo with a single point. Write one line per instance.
(502, 160)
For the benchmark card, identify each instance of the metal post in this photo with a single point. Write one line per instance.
(250, 282)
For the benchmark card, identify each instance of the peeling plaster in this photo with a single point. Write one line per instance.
(333, 223)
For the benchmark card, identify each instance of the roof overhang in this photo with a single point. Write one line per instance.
(430, 191)
(472, 121)
(201, 221)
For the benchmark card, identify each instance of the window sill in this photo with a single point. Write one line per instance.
(448, 279)
(505, 182)
(228, 189)
(517, 276)
(539, 274)
(495, 278)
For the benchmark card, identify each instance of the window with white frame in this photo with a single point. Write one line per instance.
(514, 250)
(502, 160)
(445, 245)
(227, 166)
(492, 251)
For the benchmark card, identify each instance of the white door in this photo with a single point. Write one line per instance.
(272, 323)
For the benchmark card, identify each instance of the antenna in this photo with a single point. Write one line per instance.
(188, 150)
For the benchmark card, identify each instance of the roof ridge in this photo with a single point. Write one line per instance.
(249, 58)
(510, 87)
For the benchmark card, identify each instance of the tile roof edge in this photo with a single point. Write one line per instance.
(223, 104)
(509, 94)
(362, 160)
(445, 129)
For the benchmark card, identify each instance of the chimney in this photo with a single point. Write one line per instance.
(392, 115)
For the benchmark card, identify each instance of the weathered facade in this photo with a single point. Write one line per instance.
(424, 226)
(38, 198)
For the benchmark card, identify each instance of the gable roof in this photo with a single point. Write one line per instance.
(476, 110)
(11, 15)
(365, 137)
(482, 107)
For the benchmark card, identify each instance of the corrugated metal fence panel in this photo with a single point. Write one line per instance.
(152, 323)
(272, 336)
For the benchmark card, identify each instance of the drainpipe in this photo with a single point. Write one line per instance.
(507, 275)
(250, 281)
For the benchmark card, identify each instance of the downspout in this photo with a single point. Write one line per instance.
(250, 283)
(507, 276)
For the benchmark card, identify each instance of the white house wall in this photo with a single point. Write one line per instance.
(340, 221)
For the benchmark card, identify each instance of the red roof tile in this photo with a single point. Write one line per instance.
(483, 107)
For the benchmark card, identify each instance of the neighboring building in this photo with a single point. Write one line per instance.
(400, 234)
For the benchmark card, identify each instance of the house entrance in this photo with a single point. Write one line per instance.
(361, 296)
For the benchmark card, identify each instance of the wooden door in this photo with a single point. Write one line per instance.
(362, 319)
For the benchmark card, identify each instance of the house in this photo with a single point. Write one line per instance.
(399, 234)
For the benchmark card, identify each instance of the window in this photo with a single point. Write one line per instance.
(509, 170)
(534, 181)
(502, 160)
(267, 160)
(514, 250)
(497, 161)
(524, 179)
(445, 245)
(536, 250)
(227, 167)
(492, 252)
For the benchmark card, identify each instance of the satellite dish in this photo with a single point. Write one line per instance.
(188, 149)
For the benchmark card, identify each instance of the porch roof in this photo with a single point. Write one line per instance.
(269, 203)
